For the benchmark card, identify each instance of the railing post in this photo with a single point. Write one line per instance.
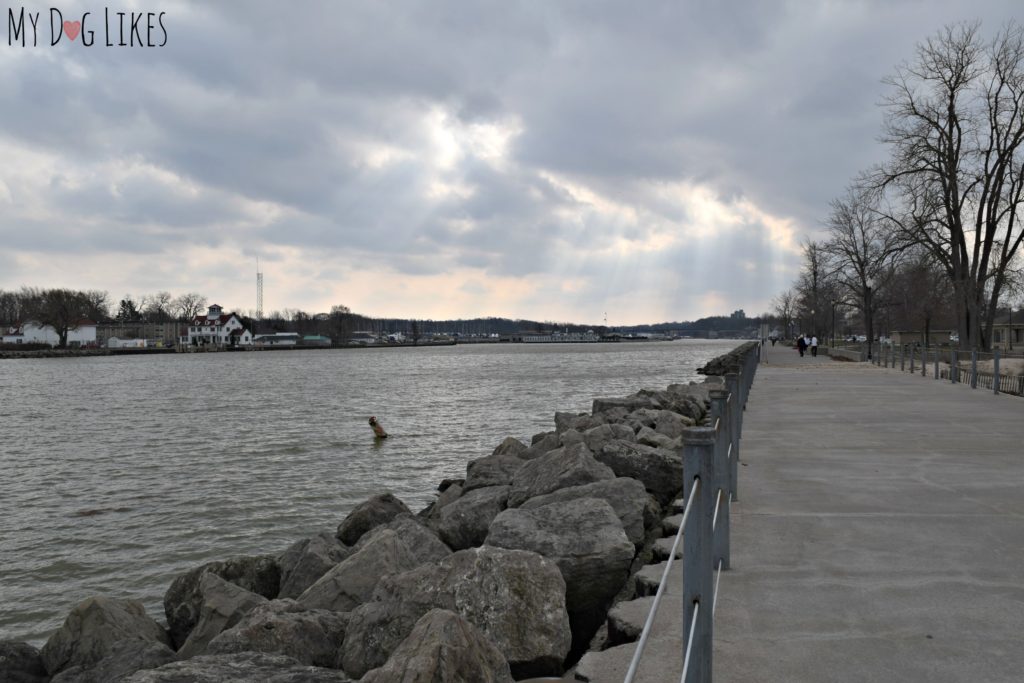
(912, 370)
(903, 359)
(937, 352)
(698, 577)
(724, 473)
(974, 369)
(995, 371)
(735, 414)
(954, 367)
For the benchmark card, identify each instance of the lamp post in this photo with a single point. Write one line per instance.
(834, 323)
(868, 305)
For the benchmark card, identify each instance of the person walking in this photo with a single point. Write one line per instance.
(801, 344)
(814, 346)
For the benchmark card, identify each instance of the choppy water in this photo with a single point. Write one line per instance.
(118, 473)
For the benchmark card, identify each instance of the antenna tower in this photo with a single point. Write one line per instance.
(259, 291)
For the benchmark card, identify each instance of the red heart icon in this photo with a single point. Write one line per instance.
(72, 29)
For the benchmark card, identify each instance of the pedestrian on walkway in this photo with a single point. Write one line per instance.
(801, 344)
(814, 346)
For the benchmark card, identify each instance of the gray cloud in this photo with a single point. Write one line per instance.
(343, 134)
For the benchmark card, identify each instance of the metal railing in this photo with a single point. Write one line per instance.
(974, 368)
(711, 467)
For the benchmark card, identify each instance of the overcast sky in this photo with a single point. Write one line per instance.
(652, 161)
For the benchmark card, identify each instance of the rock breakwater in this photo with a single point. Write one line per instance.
(509, 574)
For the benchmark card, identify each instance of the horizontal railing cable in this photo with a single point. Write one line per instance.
(642, 643)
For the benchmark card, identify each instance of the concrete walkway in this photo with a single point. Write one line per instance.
(880, 530)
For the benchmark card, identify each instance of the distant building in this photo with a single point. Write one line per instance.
(155, 335)
(316, 340)
(277, 339)
(84, 334)
(219, 329)
(363, 338)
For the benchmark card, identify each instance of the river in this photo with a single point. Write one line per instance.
(119, 473)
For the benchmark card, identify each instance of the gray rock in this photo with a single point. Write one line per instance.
(648, 578)
(306, 561)
(672, 424)
(628, 498)
(580, 422)
(660, 470)
(662, 548)
(125, 658)
(548, 441)
(351, 583)
(493, 470)
(421, 541)
(224, 605)
(597, 437)
(21, 663)
(649, 437)
(511, 446)
(449, 495)
(515, 598)
(94, 627)
(464, 523)
(244, 667)
(258, 574)
(629, 403)
(570, 437)
(285, 627)
(609, 666)
(379, 509)
(626, 620)
(585, 539)
(443, 647)
(571, 466)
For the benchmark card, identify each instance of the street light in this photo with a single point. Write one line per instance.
(868, 285)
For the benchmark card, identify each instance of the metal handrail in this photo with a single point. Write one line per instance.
(642, 643)
(710, 458)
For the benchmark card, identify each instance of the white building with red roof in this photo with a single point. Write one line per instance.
(218, 328)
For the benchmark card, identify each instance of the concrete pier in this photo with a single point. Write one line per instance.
(879, 535)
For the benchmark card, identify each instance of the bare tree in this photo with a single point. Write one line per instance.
(861, 249)
(784, 306)
(159, 307)
(61, 309)
(955, 126)
(188, 306)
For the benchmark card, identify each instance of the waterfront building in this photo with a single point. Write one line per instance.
(277, 339)
(218, 329)
(155, 335)
(83, 334)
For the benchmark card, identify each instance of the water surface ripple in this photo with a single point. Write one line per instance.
(119, 473)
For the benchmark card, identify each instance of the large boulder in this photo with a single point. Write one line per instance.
(351, 582)
(285, 627)
(379, 509)
(634, 507)
(581, 422)
(660, 470)
(258, 574)
(421, 541)
(672, 424)
(307, 560)
(511, 446)
(443, 647)
(515, 598)
(21, 663)
(243, 667)
(494, 470)
(627, 403)
(541, 444)
(558, 469)
(94, 627)
(224, 605)
(649, 437)
(124, 659)
(597, 437)
(585, 539)
(464, 523)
